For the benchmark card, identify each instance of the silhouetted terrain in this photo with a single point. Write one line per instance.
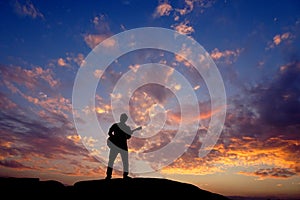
(261, 198)
(136, 188)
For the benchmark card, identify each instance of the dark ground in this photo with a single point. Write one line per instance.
(135, 188)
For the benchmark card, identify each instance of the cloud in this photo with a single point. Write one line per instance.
(278, 101)
(143, 100)
(163, 9)
(70, 60)
(43, 142)
(279, 38)
(39, 88)
(247, 140)
(101, 24)
(6, 103)
(35, 133)
(134, 68)
(184, 28)
(159, 92)
(189, 6)
(79, 59)
(268, 109)
(226, 56)
(27, 9)
(245, 152)
(92, 40)
(175, 117)
(185, 52)
(61, 62)
(51, 109)
(98, 73)
(271, 173)
(30, 78)
(12, 164)
(102, 32)
(97, 19)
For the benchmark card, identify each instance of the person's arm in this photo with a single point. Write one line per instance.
(130, 131)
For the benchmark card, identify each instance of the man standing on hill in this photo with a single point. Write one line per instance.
(119, 133)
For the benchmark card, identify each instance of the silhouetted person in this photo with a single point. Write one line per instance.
(119, 133)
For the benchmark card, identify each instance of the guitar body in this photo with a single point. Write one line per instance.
(113, 140)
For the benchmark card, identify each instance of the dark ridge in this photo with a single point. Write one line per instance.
(135, 188)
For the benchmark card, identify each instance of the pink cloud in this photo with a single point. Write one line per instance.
(31, 78)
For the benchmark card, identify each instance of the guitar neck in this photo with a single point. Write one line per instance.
(136, 129)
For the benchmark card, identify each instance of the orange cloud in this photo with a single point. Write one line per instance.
(163, 9)
(274, 172)
(103, 32)
(51, 106)
(75, 138)
(98, 73)
(34, 79)
(30, 77)
(184, 28)
(61, 62)
(185, 52)
(227, 56)
(79, 59)
(58, 156)
(100, 107)
(278, 154)
(190, 5)
(92, 40)
(279, 38)
(105, 108)
(176, 117)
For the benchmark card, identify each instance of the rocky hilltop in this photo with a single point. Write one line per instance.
(135, 188)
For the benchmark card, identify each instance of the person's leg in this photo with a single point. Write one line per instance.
(111, 159)
(124, 156)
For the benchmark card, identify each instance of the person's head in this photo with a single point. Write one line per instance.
(123, 117)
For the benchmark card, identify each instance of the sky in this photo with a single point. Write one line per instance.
(253, 45)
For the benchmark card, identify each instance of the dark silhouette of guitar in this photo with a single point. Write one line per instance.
(136, 129)
(112, 140)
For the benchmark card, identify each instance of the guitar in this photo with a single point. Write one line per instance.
(110, 139)
(136, 129)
